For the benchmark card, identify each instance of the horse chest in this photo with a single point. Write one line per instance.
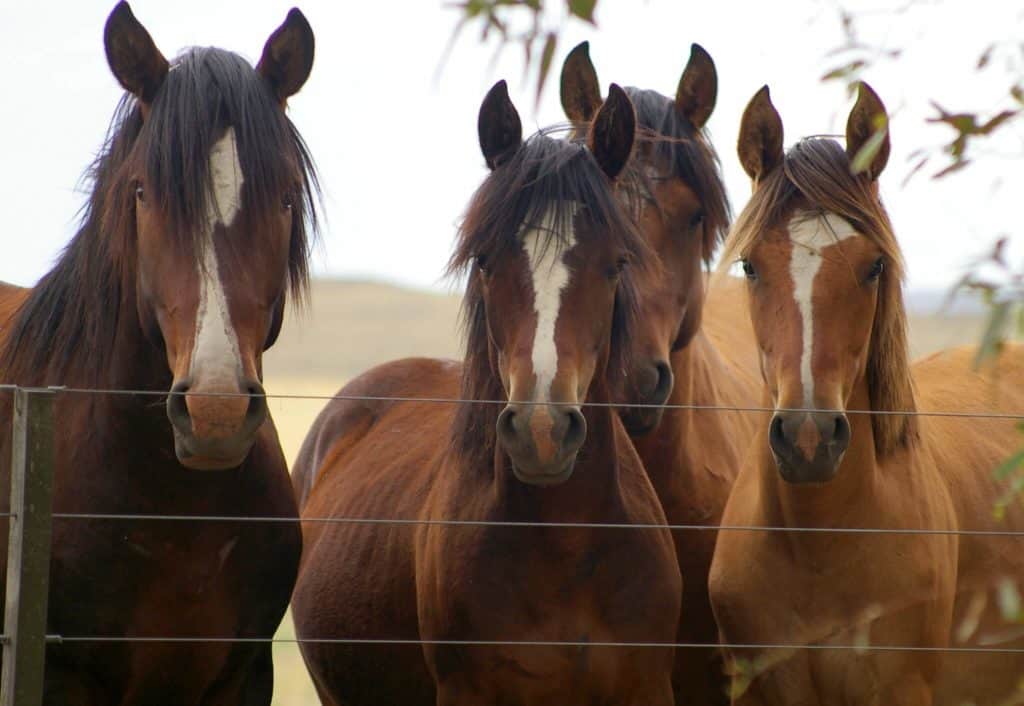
(173, 581)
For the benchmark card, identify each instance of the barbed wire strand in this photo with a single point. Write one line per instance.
(759, 409)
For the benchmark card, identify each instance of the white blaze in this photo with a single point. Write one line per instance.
(546, 254)
(215, 355)
(810, 234)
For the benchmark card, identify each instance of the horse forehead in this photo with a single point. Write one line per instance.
(227, 179)
(547, 242)
(812, 233)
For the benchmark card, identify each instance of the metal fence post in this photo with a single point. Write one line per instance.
(28, 552)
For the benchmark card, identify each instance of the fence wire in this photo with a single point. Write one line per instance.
(858, 647)
(969, 649)
(758, 409)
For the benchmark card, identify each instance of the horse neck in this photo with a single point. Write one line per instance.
(694, 454)
(132, 363)
(848, 500)
(594, 484)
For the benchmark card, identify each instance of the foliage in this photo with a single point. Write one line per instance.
(539, 37)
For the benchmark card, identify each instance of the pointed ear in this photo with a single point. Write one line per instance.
(867, 118)
(499, 127)
(581, 91)
(698, 87)
(288, 56)
(760, 143)
(613, 131)
(133, 57)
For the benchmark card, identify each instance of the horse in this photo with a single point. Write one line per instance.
(845, 450)
(673, 190)
(685, 358)
(195, 235)
(548, 308)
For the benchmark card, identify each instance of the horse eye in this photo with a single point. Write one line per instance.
(287, 202)
(748, 269)
(619, 266)
(481, 264)
(876, 270)
(696, 219)
(140, 195)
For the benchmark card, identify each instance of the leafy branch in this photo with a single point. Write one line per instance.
(539, 37)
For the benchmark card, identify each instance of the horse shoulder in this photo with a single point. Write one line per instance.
(967, 449)
(349, 416)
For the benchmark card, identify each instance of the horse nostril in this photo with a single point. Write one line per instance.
(665, 382)
(776, 434)
(575, 431)
(841, 431)
(257, 402)
(177, 409)
(507, 425)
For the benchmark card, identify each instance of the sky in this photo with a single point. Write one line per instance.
(394, 132)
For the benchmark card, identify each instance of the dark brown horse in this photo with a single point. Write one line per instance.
(194, 236)
(685, 357)
(549, 308)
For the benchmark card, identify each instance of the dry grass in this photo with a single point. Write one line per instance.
(352, 326)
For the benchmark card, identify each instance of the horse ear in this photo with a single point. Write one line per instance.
(698, 87)
(580, 90)
(288, 56)
(499, 127)
(868, 119)
(132, 55)
(760, 143)
(613, 131)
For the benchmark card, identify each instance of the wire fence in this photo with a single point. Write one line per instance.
(54, 639)
(758, 409)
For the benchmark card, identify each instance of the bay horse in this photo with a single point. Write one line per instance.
(548, 311)
(684, 356)
(844, 449)
(194, 237)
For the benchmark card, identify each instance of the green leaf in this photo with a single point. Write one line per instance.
(995, 331)
(1009, 600)
(844, 70)
(995, 122)
(584, 9)
(954, 167)
(986, 56)
(866, 154)
(1009, 465)
(546, 56)
(918, 166)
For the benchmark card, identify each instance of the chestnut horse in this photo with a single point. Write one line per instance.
(824, 272)
(685, 358)
(674, 192)
(549, 308)
(194, 235)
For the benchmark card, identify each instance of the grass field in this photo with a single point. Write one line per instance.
(351, 326)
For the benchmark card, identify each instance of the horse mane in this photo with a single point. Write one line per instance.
(817, 169)
(66, 330)
(674, 141)
(545, 179)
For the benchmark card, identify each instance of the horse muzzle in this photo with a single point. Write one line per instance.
(215, 429)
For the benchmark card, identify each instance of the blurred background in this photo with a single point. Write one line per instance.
(390, 116)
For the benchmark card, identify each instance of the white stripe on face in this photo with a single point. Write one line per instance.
(215, 355)
(546, 254)
(809, 235)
